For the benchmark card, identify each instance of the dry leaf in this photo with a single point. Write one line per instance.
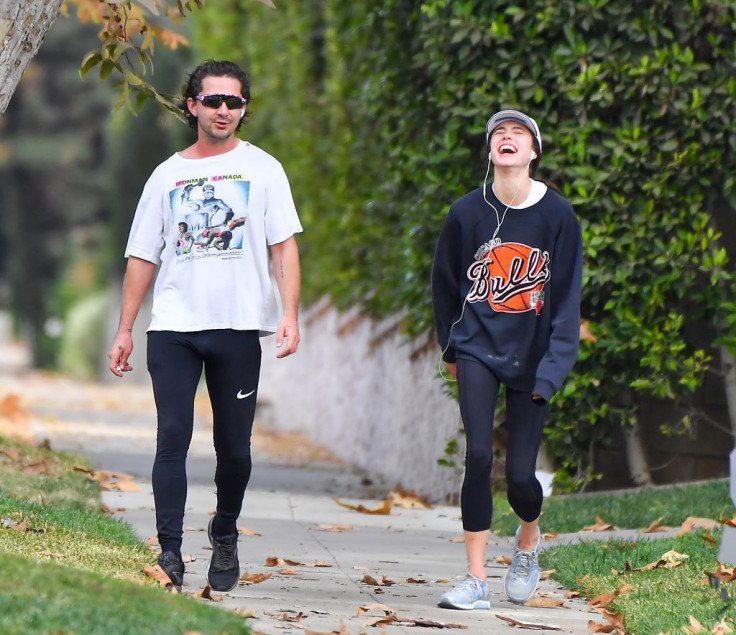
(383, 508)
(39, 467)
(206, 594)
(693, 522)
(655, 526)
(12, 454)
(709, 538)
(503, 559)
(532, 626)
(616, 619)
(604, 599)
(254, 578)
(545, 602)
(335, 527)
(694, 626)
(723, 574)
(247, 532)
(416, 581)
(407, 499)
(600, 525)
(550, 535)
(369, 579)
(156, 573)
(597, 627)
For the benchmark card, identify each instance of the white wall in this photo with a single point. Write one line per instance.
(369, 394)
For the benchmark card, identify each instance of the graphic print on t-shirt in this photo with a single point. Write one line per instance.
(209, 214)
(511, 276)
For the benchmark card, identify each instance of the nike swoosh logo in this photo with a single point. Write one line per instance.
(240, 394)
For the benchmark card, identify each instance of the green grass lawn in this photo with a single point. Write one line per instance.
(69, 567)
(655, 601)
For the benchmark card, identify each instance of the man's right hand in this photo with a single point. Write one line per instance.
(122, 347)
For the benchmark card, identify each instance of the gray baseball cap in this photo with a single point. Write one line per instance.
(514, 115)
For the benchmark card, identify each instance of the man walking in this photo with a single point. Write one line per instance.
(210, 307)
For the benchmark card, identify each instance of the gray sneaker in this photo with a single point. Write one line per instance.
(523, 574)
(471, 593)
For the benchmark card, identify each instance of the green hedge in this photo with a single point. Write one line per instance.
(377, 111)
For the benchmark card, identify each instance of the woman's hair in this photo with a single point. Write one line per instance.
(213, 68)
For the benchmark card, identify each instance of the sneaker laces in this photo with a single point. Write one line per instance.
(225, 552)
(470, 584)
(523, 562)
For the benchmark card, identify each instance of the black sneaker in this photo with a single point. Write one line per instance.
(173, 567)
(224, 570)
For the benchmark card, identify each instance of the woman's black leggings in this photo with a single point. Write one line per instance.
(232, 362)
(478, 391)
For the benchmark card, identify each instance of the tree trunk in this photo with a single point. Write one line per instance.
(23, 27)
(636, 454)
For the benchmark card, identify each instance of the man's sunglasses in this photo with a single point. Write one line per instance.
(233, 102)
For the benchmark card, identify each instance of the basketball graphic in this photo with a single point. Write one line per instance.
(511, 276)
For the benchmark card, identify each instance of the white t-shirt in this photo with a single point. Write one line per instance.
(208, 223)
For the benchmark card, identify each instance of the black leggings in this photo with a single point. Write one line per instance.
(478, 390)
(232, 362)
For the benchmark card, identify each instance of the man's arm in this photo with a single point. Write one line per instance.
(285, 258)
(138, 276)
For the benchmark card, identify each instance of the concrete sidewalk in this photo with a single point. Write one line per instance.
(319, 584)
(415, 553)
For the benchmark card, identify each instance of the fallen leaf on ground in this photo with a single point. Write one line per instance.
(416, 581)
(694, 626)
(600, 525)
(247, 532)
(343, 631)
(532, 626)
(550, 535)
(615, 619)
(115, 481)
(369, 579)
(206, 594)
(273, 561)
(655, 526)
(597, 627)
(245, 613)
(157, 574)
(602, 600)
(383, 508)
(546, 574)
(52, 554)
(503, 559)
(13, 454)
(407, 499)
(255, 578)
(694, 522)
(545, 601)
(667, 560)
(39, 467)
(335, 527)
(722, 574)
(709, 538)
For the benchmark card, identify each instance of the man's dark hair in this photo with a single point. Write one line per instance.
(213, 68)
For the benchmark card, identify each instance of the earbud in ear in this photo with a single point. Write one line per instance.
(534, 155)
(242, 113)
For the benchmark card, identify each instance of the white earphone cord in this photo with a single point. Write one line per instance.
(499, 222)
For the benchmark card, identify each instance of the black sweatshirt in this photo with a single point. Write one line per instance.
(520, 299)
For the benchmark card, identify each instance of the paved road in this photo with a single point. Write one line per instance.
(291, 514)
